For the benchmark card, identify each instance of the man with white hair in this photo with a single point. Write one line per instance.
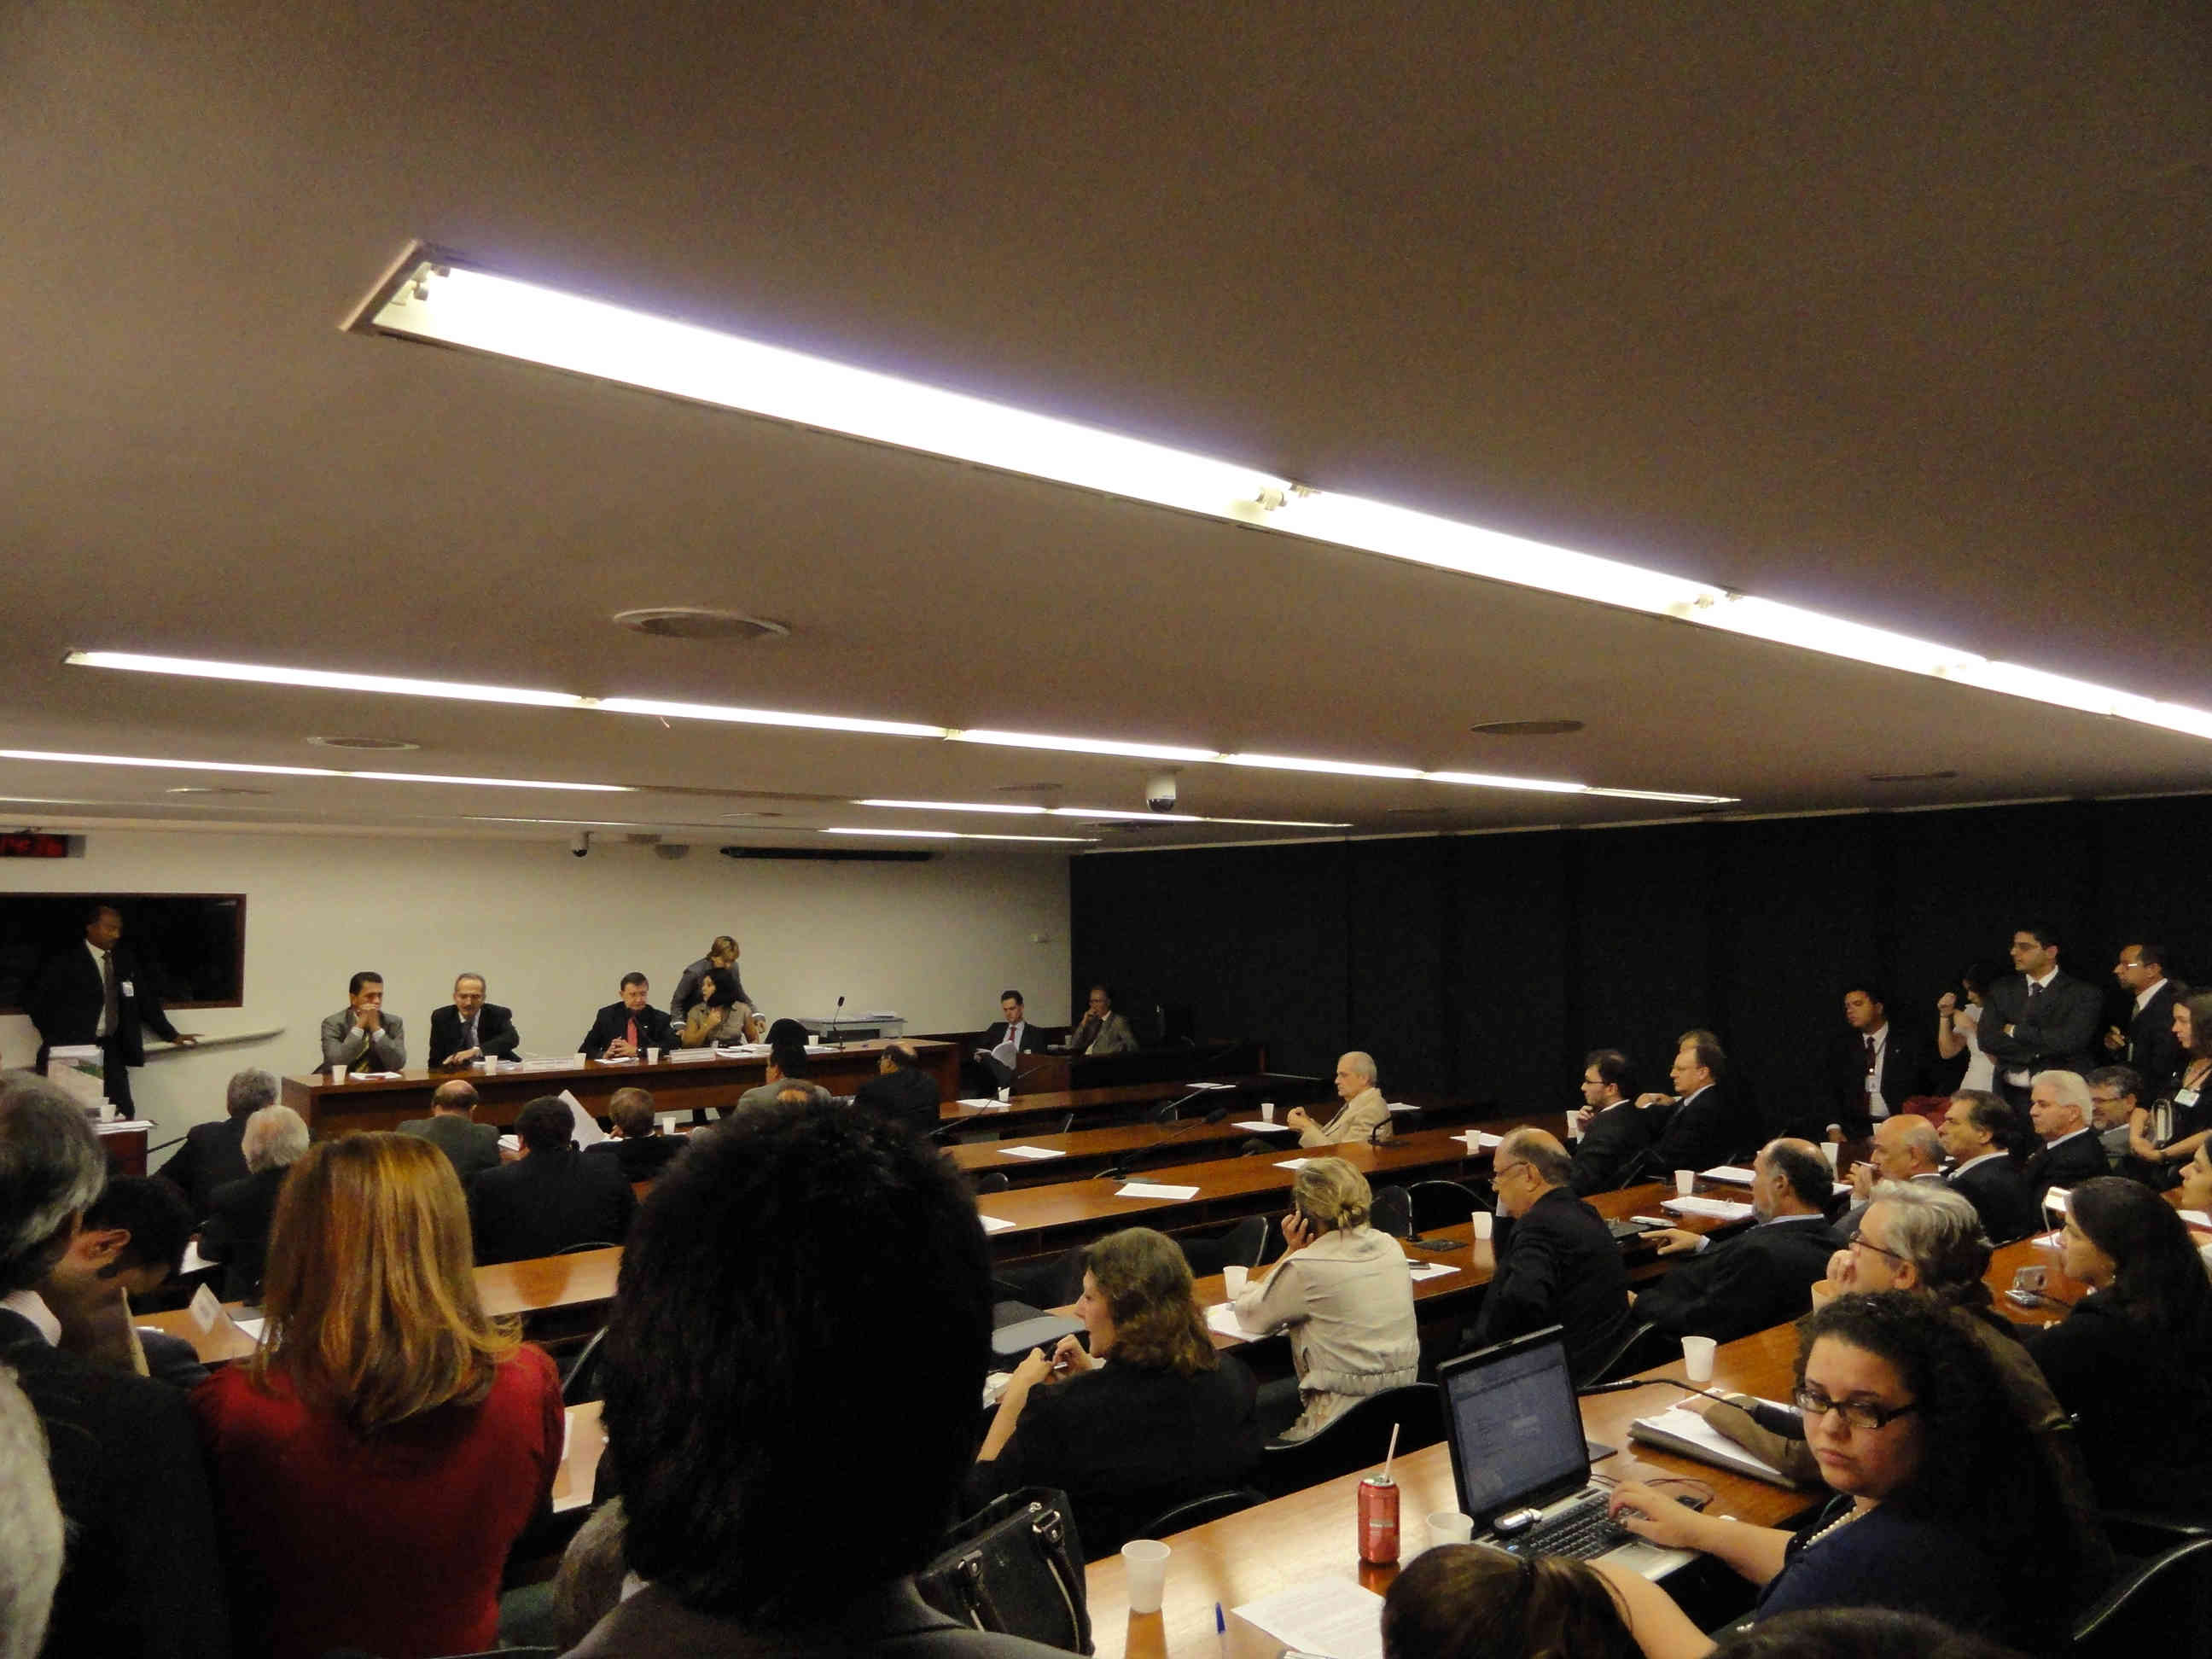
(236, 1233)
(30, 1525)
(211, 1154)
(140, 1575)
(1906, 1147)
(1364, 1115)
(2059, 1104)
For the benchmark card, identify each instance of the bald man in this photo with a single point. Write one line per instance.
(1552, 1260)
(1906, 1148)
(1760, 1278)
(1364, 1115)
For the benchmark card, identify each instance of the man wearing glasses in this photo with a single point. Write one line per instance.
(1552, 1260)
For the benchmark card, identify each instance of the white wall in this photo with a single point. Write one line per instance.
(553, 934)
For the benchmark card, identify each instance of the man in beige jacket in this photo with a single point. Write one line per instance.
(1365, 1116)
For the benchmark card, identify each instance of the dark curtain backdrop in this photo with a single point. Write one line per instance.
(1487, 965)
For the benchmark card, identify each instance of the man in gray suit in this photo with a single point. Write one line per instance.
(361, 1035)
(452, 1129)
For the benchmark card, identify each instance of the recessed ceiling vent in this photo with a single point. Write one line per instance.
(1526, 728)
(1911, 777)
(684, 622)
(372, 746)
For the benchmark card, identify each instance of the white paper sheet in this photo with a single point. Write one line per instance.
(1333, 1616)
(194, 1262)
(1031, 1152)
(1716, 1209)
(1257, 1126)
(1152, 1189)
(1222, 1317)
(1430, 1269)
(1477, 1141)
(1712, 1445)
(982, 1105)
(586, 1131)
(993, 1224)
(250, 1327)
(510, 1143)
(1293, 1163)
(1192, 1088)
(1734, 1173)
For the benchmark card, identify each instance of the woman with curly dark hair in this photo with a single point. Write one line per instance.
(1467, 1601)
(2133, 1361)
(1151, 1416)
(1941, 1499)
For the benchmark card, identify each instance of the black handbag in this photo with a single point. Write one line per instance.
(1014, 1567)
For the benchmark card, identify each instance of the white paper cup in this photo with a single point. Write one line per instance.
(1267, 1111)
(1482, 1220)
(1698, 1357)
(577, 1060)
(1831, 1152)
(488, 1065)
(1145, 1572)
(1006, 1093)
(1450, 1526)
(337, 1074)
(653, 1056)
(1234, 1279)
(1686, 1182)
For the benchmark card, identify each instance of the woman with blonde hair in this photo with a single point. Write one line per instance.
(1150, 1417)
(381, 1451)
(1346, 1294)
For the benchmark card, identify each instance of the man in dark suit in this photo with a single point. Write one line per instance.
(901, 1090)
(637, 1146)
(471, 1147)
(471, 1028)
(631, 1026)
(1553, 1260)
(1706, 1127)
(1907, 1148)
(140, 1574)
(2038, 1018)
(2059, 1107)
(2148, 1045)
(1016, 1029)
(95, 993)
(129, 1244)
(1874, 1067)
(1976, 1132)
(554, 1197)
(1614, 1130)
(243, 1213)
(1760, 1278)
(213, 1154)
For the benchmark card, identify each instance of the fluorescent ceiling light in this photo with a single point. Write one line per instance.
(321, 679)
(1084, 746)
(1662, 794)
(954, 806)
(428, 297)
(1495, 780)
(955, 835)
(1095, 812)
(303, 771)
(707, 711)
(1332, 768)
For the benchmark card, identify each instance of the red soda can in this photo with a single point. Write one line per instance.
(1378, 1520)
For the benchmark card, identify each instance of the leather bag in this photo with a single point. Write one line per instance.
(1015, 1567)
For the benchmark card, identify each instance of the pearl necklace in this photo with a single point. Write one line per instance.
(1841, 1521)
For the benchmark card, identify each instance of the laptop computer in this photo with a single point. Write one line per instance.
(1515, 1433)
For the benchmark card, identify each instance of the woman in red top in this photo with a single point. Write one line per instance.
(377, 1457)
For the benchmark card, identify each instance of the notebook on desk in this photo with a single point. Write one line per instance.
(1515, 1433)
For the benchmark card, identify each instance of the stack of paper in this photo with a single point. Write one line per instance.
(1030, 1151)
(1153, 1189)
(982, 1105)
(1330, 1616)
(1222, 1318)
(1192, 1088)
(1430, 1269)
(1716, 1209)
(993, 1224)
(1734, 1174)
(1257, 1126)
(1688, 1432)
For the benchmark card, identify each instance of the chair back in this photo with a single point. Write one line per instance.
(581, 1245)
(990, 1181)
(1199, 1510)
(2153, 1602)
(1642, 1345)
(581, 1385)
(1442, 1203)
(1355, 1439)
(1392, 1211)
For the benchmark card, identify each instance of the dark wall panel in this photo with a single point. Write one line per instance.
(1395, 982)
(1645, 938)
(1509, 972)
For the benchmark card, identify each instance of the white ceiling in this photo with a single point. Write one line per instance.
(1900, 315)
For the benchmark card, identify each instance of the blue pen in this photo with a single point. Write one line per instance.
(1220, 1629)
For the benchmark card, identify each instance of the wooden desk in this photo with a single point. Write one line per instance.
(1311, 1534)
(677, 1086)
(1047, 1072)
(1083, 1153)
(1092, 1107)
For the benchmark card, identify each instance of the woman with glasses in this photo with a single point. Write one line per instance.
(1939, 1499)
(2133, 1361)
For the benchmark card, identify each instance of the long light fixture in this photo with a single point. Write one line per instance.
(163, 763)
(1108, 812)
(321, 679)
(428, 296)
(1158, 752)
(957, 834)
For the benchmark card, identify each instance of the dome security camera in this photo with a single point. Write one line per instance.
(1160, 792)
(580, 844)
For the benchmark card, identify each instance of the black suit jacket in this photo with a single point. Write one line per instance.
(2076, 1159)
(642, 1159)
(2000, 1197)
(1557, 1265)
(1604, 1153)
(65, 998)
(654, 1028)
(495, 1033)
(213, 1155)
(1701, 1131)
(1033, 1038)
(1761, 1277)
(236, 1231)
(2059, 1033)
(905, 1095)
(1907, 1061)
(140, 1574)
(547, 1202)
(2153, 1048)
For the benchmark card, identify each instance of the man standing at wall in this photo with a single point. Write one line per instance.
(93, 993)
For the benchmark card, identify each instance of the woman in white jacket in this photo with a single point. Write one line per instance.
(1344, 1293)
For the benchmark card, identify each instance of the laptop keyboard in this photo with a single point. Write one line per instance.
(1584, 1531)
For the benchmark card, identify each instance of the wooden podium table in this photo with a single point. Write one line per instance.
(334, 1109)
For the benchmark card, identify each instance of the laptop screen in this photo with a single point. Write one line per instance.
(1516, 1432)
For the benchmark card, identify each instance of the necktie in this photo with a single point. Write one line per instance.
(633, 1030)
(111, 1004)
(1869, 1041)
(2033, 990)
(468, 1032)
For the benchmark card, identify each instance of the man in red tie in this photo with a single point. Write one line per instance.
(1876, 1069)
(626, 1029)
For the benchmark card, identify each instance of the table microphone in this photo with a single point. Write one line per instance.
(836, 1014)
(1646, 1383)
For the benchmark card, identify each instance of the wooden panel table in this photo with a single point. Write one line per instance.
(677, 1086)
(1093, 1106)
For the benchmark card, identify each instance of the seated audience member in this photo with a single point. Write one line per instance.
(1975, 1131)
(1940, 1508)
(794, 1264)
(1873, 1067)
(139, 1574)
(1614, 1132)
(469, 1146)
(637, 1145)
(1553, 1259)
(2058, 1107)
(720, 1012)
(1342, 1290)
(236, 1231)
(901, 1090)
(554, 1197)
(2116, 1093)
(360, 1036)
(468, 1028)
(213, 1153)
(1727, 1289)
(625, 1030)
(1153, 1416)
(30, 1525)
(1468, 1601)
(787, 1062)
(1704, 1128)
(1101, 1031)
(381, 1450)
(1904, 1147)
(2166, 1133)
(722, 953)
(1364, 1115)
(130, 1243)
(2133, 1361)
(1856, 1633)
(1013, 1031)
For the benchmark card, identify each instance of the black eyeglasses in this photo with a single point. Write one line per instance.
(1859, 1414)
(1861, 1241)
